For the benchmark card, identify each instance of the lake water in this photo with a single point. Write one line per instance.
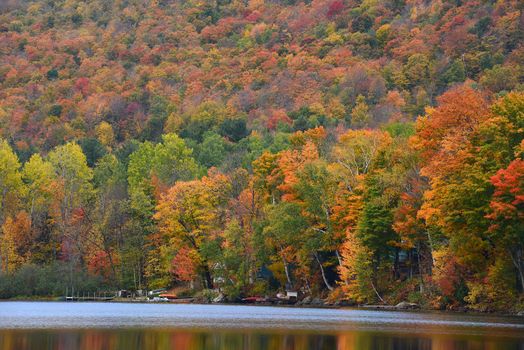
(127, 326)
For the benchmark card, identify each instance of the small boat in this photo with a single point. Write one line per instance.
(168, 296)
(172, 298)
(255, 299)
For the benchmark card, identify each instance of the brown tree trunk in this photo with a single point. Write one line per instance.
(207, 276)
(516, 257)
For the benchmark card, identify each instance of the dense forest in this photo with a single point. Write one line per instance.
(360, 150)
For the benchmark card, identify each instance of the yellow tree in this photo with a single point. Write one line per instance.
(11, 191)
(39, 176)
(360, 116)
(105, 134)
(190, 216)
(70, 208)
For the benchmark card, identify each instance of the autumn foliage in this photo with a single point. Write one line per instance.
(365, 150)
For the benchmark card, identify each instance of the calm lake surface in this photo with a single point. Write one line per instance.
(111, 326)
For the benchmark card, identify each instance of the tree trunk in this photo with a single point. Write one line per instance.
(113, 268)
(2, 243)
(286, 270)
(430, 241)
(2, 240)
(516, 257)
(308, 287)
(376, 292)
(421, 287)
(396, 265)
(339, 258)
(140, 274)
(410, 255)
(207, 277)
(373, 279)
(322, 272)
(286, 266)
(134, 278)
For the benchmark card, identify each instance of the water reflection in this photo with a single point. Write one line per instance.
(148, 339)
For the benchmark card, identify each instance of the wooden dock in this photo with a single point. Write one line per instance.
(88, 296)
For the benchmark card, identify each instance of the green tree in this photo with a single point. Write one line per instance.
(212, 151)
(315, 190)
(165, 163)
(417, 70)
(173, 160)
(282, 230)
(139, 172)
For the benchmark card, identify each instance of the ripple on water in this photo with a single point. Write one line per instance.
(122, 315)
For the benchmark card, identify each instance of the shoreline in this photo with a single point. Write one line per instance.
(385, 308)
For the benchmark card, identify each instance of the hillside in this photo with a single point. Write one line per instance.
(147, 67)
(361, 150)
